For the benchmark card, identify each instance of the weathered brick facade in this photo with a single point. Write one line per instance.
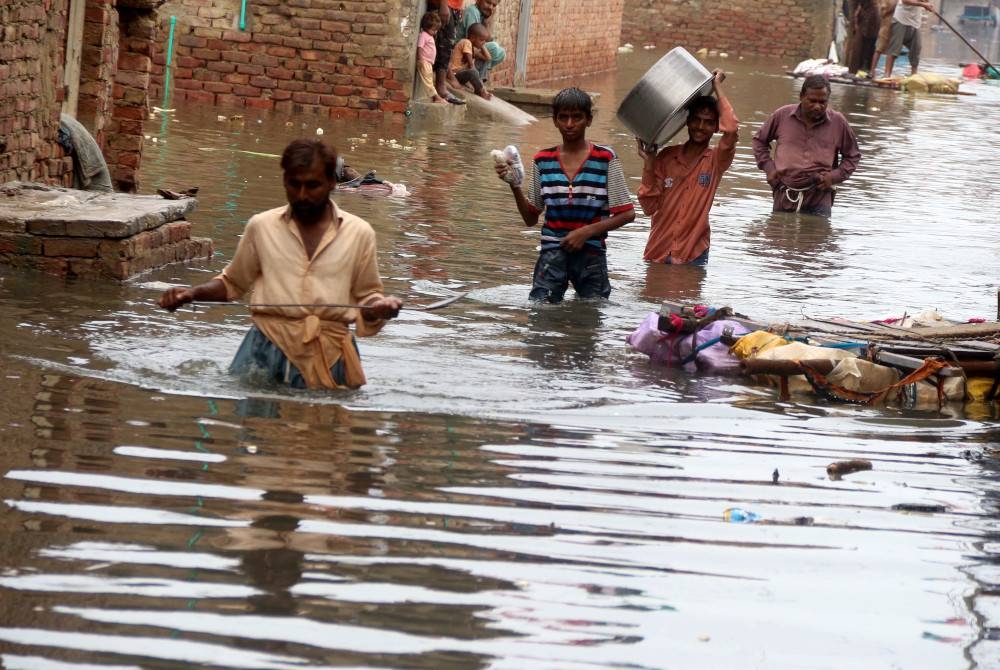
(782, 28)
(112, 102)
(356, 59)
(31, 73)
(572, 37)
(347, 59)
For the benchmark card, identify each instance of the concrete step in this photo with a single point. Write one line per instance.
(533, 97)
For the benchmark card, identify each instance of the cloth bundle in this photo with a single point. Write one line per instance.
(702, 350)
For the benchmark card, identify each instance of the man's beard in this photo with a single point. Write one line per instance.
(307, 212)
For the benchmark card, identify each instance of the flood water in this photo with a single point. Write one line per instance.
(513, 489)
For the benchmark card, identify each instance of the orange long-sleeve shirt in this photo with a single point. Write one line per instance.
(678, 195)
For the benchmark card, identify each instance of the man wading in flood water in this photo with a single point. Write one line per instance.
(816, 149)
(679, 183)
(297, 260)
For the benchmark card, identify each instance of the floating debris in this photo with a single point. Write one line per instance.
(920, 507)
(841, 468)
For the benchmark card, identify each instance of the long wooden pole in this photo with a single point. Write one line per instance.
(962, 37)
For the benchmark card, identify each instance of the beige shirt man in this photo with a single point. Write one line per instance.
(342, 270)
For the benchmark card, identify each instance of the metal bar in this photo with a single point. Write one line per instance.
(425, 308)
(910, 363)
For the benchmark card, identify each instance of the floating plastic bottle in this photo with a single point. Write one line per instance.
(737, 515)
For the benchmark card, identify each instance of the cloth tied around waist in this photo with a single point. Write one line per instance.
(314, 345)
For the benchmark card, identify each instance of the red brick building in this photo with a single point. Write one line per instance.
(356, 59)
(782, 28)
(88, 58)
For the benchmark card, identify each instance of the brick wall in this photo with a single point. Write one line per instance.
(130, 97)
(503, 27)
(31, 72)
(782, 28)
(346, 59)
(112, 102)
(99, 58)
(572, 37)
(355, 59)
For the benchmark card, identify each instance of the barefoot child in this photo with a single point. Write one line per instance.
(430, 24)
(463, 60)
(581, 188)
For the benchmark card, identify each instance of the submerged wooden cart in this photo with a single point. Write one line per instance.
(966, 353)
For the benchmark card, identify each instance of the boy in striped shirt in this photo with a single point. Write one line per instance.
(581, 188)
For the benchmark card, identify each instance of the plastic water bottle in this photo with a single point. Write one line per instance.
(737, 515)
(510, 157)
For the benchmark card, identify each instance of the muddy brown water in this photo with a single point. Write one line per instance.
(513, 489)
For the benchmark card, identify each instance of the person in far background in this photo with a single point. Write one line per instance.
(463, 56)
(906, 20)
(864, 34)
(450, 12)
(886, 8)
(430, 24)
(482, 12)
(90, 170)
(815, 149)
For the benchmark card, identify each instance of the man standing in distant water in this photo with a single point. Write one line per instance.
(816, 149)
(886, 9)
(906, 21)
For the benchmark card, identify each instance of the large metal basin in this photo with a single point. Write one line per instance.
(656, 107)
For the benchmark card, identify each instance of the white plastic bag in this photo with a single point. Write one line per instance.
(510, 157)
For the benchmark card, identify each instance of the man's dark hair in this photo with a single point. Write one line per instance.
(301, 154)
(814, 81)
(572, 99)
(429, 20)
(704, 102)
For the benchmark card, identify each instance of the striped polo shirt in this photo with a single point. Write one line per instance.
(596, 192)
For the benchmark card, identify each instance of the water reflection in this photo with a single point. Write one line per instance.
(274, 570)
(796, 243)
(674, 283)
(563, 337)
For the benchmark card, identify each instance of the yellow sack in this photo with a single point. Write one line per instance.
(928, 82)
(977, 388)
(751, 344)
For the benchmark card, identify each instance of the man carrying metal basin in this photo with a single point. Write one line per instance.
(679, 183)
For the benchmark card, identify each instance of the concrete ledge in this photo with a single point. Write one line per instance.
(532, 97)
(101, 235)
(50, 210)
(436, 113)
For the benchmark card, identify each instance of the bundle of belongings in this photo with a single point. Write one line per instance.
(822, 66)
(689, 338)
(928, 82)
(702, 339)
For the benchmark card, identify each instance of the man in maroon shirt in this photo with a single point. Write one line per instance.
(816, 149)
